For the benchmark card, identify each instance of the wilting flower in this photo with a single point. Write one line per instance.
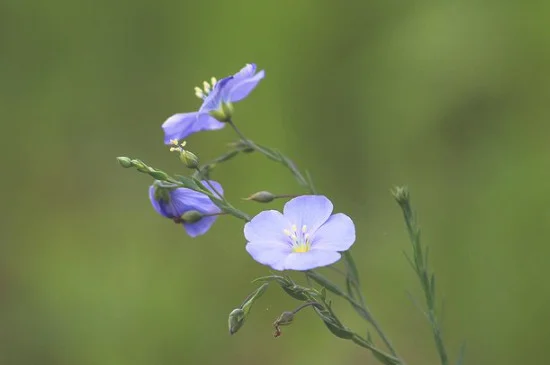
(174, 202)
(215, 96)
(307, 235)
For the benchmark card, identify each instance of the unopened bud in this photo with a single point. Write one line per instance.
(262, 197)
(238, 315)
(284, 319)
(191, 216)
(159, 175)
(125, 162)
(189, 159)
(224, 113)
(236, 320)
(401, 194)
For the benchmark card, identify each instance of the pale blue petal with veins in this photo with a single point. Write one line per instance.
(307, 235)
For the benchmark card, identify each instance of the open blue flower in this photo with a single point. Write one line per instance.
(307, 235)
(173, 202)
(228, 90)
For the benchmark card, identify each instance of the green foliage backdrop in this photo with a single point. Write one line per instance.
(447, 97)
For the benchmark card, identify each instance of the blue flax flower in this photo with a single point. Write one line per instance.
(228, 90)
(305, 236)
(173, 202)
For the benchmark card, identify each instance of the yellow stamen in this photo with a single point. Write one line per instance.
(213, 81)
(304, 229)
(206, 87)
(199, 93)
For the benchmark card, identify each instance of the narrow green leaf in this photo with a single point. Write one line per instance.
(325, 283)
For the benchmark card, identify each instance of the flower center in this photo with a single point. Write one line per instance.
(206, 88)
(300, 239)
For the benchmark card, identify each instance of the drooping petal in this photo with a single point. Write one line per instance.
(200, 227)
(266, 227)
(240, 89)
(308, 210)
(180, 126)
(184, 200)
(159, 207)
(337, 234)
(271, 254)
(310, 260)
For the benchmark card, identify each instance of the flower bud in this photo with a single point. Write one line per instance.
(284, 319)
(262, 197)
(236, 320)
(125, 162)
(189, 159)
(191, 216)
(159, 175)
(401, 194)
(224, 113)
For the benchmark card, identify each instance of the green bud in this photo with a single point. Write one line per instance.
(238, 315)
(262, 197)
(224, 113)
(159, 175)
(236, 320)
(191, 216)
(125, 162)
(284, 319)
(139, 165)
(189, 159)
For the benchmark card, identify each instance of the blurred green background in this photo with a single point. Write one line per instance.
(448, 97)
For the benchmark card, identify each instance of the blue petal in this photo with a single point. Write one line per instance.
(180, 126)
(159, 207)
(215, 98)
(246, 72)
(209, 184)
(268, 227)
(272, 254)
(310, 260)
(337, 234)
(308, 210)
(183, 200)
(200, 227)
(240, 90)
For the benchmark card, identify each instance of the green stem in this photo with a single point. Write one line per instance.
(420, 266)
(363, 310)
(276, 156)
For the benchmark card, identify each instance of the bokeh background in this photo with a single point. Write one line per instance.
(447, 97)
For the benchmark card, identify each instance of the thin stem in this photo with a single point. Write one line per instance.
(420, 265)
(276, 156)
(313, 304)
(214, 214)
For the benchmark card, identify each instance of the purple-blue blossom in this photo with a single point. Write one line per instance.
(305, 236)
(173, 202)
(228, 90)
